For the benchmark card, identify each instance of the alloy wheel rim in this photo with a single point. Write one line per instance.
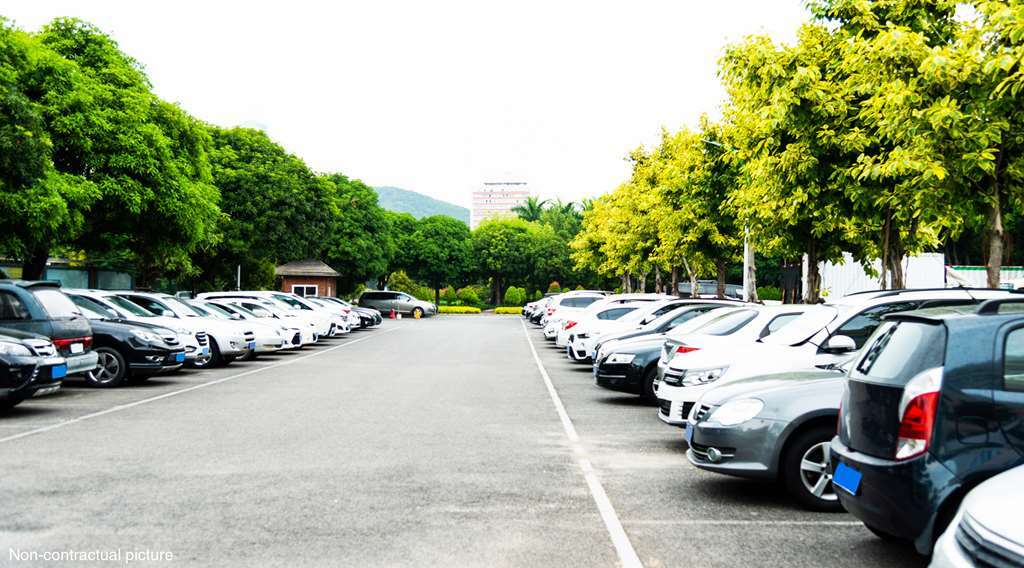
(108, 368)
(814, 472)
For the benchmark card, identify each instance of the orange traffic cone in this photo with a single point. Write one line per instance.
(392, 316)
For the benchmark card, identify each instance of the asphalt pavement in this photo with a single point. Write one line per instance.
(431, 442)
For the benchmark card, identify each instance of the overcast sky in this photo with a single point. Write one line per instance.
(438, 96)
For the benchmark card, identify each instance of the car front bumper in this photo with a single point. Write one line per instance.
(747, 449)
(153, 361)
(618, 377)
(681, 402)
(82, 363)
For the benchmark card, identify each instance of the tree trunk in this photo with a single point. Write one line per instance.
(497, 290)
(642, 288)
(658, 288)
(675, 281)
(751, 276)
(813, 293)
(720, 291)
(694, 286)
(35, 264)
(896, 253)
(885, 250)
(437, 296)
(625, 284)
(994, 265)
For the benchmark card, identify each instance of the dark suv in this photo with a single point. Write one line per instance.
(29, 366)
(40, 307)
(933, 406)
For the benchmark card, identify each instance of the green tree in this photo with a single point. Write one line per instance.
(531, 210)
(442, 252)
(502, 248)
(356, 228)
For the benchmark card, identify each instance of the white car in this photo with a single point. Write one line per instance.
(565, 328)
(583, 341)
(289, 331)
(228, 339)
(304, 332)
(563, 306)
(986, 530)
(829, 335)
(269, 338)
(321, 321)
(700, 358)
(195, 341)
(346, 320)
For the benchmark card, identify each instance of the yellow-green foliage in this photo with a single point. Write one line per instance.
(506, 310)
(458, 310)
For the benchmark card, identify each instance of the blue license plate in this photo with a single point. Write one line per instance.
(568, 350)
(596, 367)
(688, 434)
(846, 478)
(58, 372)
(252, 346)
(179, 357)
(206, 351)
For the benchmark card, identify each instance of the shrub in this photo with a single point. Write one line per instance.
(769, 293)
(468, 296)
(424, 293)
(537, 295)
(449, 296)
(566, 290)
(554, 287)
(458, 310)
(506, 310)
(579, 287)
(514, 296)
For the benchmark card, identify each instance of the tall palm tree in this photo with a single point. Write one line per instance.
(531, 210)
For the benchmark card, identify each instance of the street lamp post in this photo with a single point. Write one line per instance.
(749, 276)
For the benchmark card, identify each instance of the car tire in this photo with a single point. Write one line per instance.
(647, 392)
(111, 369)
(417, 313)
(804, 470)
(9, 403)
(215, 359)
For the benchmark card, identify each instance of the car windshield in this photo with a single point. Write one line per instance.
(90, 304)
(181, 308)
(697, 324)
(804, 327)
(56, 303)
(91, 313)
(729, 323)
(129, 306)
(247, 312)
(292, 303)
(669, 316)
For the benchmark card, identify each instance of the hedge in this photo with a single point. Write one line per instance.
(458, 310)
(508, 311)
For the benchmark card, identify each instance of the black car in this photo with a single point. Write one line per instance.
(40, 307)
(933, 406)
(29, 366)
(628, 361)
(130, 351)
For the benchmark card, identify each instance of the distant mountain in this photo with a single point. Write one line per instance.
(419, 205)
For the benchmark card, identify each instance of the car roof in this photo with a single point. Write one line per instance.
(31, 283)
(953, 314)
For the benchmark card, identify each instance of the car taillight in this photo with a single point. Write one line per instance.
(551, 311)
(918, 407)
(66, 343)
(686, 349)
(569, 325)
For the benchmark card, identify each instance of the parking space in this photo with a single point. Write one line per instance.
(431, 442)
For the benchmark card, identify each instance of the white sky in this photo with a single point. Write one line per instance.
(439, 96)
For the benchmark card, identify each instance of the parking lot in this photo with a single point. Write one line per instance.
(430, 442)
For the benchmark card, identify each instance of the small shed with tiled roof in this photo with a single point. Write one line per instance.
(308, 278)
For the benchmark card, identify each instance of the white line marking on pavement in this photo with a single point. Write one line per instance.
(627, 555)
(746, 522)
(121, 407)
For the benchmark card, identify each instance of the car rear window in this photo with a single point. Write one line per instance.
(899, 350)
(56, 303)
(578, 302)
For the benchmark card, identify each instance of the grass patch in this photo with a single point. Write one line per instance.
(508, 311)
(458, 310)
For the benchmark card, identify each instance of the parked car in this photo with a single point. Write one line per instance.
(228, 339)
(268, 339)
(587, 334)
(368, 317)
(933, 406)
(699, 359)
(321, 321)
(630, 364)
(662, 324)
(384, 301)
(29, 367)
(771, 427)
(709, 289)
(589, 312)
(345, 320)
(987, 530)
(194, 341)
(267, 307)
(559, 308)
(41, 308)
(289, 331)
(130, 351)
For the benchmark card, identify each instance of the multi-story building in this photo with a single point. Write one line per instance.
(497, 198)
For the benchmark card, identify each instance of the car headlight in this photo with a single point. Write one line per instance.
(11, 348)
(146, 336)
(696, 377)
(736, 411)
(621, 358)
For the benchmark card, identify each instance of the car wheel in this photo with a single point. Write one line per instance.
(213, 360)
(417, 313)
(111, 369)
(805, 470)
(9, 403)
(647, 387)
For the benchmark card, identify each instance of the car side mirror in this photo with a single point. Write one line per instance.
(164, 312)
(840, 344)
(236, 316)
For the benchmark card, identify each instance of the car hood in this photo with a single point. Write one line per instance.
(995, 505)
(638, 345)
(788, 384)
(109, 326)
